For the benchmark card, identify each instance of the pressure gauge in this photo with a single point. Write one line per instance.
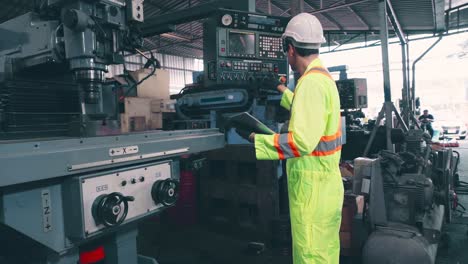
(226, 20)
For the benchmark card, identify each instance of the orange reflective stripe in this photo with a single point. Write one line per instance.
(329, 145)
(325, 153)
(320, 70)
(292, 145)
(334, 136)
(278, 147)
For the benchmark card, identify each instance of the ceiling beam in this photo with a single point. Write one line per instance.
(395, 23)
(289, 10)
(352, 10)
(180, 16)
(359, 17)
(326, 9)
(280, 6)
(347, 41)
(297, 7)
(328, 17)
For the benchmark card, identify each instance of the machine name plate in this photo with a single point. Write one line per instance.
(123, 151)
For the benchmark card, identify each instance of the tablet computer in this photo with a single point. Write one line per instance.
(248, 122)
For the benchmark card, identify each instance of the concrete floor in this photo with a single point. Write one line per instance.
(195, 244)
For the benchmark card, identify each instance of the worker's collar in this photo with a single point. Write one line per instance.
(315, 63)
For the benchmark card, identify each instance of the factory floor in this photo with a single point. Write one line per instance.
(196, 244)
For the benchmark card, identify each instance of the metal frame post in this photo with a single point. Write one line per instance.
(386, 71)
(405, 94)
(413, 86)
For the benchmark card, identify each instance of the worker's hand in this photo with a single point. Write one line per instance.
(275, 84)
(281, 88)
(249, 136)
(252, 137)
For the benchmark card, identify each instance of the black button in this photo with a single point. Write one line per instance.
(133, 181)
(142, 179)
(123, 183)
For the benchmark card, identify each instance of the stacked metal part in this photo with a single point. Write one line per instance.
(37, 109)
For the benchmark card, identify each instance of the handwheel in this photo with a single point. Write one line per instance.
(165, 192)
(111, 209)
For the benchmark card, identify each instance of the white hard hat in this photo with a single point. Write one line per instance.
(305, 30)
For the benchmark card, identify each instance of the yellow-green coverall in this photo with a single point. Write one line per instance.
(312, 149)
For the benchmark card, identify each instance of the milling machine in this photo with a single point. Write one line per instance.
(68, 190)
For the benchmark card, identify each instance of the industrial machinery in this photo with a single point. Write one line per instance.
(409, 196)
(353, 98)
(353, 93)
(242, 54)
(65, 193)
(243, 58)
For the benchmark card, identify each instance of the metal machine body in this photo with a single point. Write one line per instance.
(65, 43)
(63, 190)
(409, 195)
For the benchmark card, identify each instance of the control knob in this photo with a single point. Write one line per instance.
(111, 209)
(165, 192)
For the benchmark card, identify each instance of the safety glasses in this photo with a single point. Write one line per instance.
(285, 44)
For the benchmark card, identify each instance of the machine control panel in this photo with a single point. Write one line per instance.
(353, 93)
(271, 47)
(119, 197)
(250, 21)
(244, 48)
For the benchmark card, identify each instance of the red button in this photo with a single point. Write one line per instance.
(282, 79)
(93, 256)
(223, 49)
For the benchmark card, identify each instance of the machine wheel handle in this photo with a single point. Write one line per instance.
(111, 209)
(165, 192)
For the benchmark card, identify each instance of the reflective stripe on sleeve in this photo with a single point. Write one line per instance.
(277, 146)
(286, 146)
(292, 145)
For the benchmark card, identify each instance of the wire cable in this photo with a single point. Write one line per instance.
(133, 86)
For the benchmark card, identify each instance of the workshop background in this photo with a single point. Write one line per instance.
(117, 139)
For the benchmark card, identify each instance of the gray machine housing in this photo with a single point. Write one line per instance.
(55, 169)
(82, 191)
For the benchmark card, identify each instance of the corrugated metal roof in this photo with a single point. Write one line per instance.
(413, 15)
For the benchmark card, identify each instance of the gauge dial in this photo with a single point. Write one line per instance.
(226, 20)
